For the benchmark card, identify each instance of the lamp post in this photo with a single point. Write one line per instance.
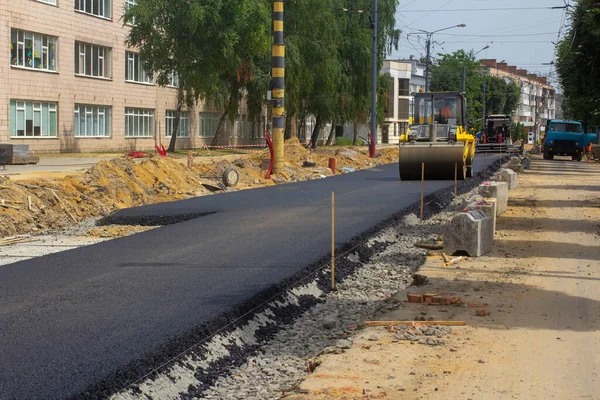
(464, 69)
(428, 59)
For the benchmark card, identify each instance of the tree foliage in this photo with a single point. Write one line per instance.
(578, 61)
(502, 97)
(518, 132)
(329, 58)
(220, 49)
(212, 45)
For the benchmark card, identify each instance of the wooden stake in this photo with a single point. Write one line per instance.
(388, 323)
(422, 191)
(64, 206)
(455, 178)
(29, 202)
(332, 240)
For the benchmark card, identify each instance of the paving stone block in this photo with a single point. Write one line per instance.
(498, 191)
(488, 206)
(472, 232)
(509, 176)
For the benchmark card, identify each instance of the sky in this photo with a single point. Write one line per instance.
(521, 36)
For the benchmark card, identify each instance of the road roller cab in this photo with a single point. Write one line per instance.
(437, 138)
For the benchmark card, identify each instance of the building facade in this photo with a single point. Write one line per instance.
(417, 83)
(397, 113)
(396, 109)
(70, 84)
(537, 104)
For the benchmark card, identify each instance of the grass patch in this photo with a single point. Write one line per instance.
(341, 141)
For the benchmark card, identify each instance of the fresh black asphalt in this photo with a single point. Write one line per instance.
(69, 320)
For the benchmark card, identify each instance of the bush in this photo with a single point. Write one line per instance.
(342, 141)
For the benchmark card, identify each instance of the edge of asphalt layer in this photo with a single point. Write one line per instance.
(159, 360)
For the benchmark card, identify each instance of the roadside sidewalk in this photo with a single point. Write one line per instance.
(540, 289)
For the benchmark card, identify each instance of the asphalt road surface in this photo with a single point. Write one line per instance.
(70, 319)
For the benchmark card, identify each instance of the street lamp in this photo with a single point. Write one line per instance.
(429, 35)
(464, 69)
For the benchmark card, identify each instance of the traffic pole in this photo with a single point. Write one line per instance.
(374, 74)
(278, 87)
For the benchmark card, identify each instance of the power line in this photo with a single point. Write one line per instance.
(485, 9)
(501, 41)
(426, 15)
(516, 35)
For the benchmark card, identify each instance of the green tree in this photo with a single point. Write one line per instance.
(578, 57)
(329, 59)
(502, 97)
(213, 46)
(518, 132)
(446, 75)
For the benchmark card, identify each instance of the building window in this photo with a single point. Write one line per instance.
(173, 80)
(139, 122)
(33, 119)
(184, 123)
(33, 50)
(128, 4)
(92, 60)
(53, 2)
(242, 128)
(209, 123)
(99, 8)
(134, 70)
(404, 89)
(92, 121)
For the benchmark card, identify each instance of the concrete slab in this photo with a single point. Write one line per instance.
(488, 206)
(498, 191)
(472, 232)
(509, 176)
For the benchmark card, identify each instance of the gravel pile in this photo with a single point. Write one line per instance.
(429, 335)
(285, 361)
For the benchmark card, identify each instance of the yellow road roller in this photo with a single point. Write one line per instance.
(437, 138)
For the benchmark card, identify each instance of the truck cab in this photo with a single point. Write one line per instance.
(565, 138)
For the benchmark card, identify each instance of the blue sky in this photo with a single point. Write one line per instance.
(520, 36)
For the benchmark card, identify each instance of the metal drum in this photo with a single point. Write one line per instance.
(440, 160)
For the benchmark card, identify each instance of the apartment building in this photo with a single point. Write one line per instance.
(70, 84)
(417, 82)
(397, 105)
(537, 104)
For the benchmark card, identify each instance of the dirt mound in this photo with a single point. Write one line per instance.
(123, 183)
(106, 187)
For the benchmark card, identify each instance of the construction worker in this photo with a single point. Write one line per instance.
(445, 113)
(588, 151)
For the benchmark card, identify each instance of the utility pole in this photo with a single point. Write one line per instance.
(464, 77)
(484, 99)
(278, 87)
(427, 62)
(429, 37)
(464, 69)
(374, 74)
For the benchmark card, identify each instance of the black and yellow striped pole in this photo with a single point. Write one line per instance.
(278, 87)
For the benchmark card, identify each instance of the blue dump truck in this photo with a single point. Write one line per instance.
(566, 138)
